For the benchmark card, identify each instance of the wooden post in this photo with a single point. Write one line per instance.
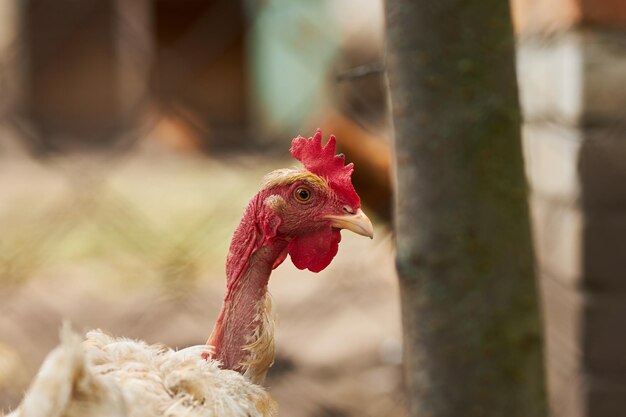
(469, 301)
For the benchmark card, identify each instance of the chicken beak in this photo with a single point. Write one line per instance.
(358, 223)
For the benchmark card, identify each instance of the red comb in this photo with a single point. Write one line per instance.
(322, 161)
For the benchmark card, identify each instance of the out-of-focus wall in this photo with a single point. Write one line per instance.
(572, 77)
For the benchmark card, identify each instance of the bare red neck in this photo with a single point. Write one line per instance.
(249, 264)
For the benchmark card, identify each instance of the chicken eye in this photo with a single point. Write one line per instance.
(302, 194)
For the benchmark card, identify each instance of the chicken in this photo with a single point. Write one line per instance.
(298, 212)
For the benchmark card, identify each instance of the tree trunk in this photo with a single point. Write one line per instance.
(464, 258)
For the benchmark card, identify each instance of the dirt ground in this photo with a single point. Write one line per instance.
(136, 245)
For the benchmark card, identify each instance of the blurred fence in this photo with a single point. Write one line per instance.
(122, 178)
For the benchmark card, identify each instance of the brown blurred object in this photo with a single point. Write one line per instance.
(200, 71)
(177, 134)
(371, 153)
(84, 82)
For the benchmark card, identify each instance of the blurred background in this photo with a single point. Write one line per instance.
(133, 133)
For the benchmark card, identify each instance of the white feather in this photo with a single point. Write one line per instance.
(117, 377)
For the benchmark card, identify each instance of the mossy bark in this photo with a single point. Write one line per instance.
(464, 257)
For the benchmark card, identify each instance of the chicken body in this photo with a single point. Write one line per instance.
(103, 376)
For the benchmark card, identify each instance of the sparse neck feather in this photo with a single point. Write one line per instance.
(243, 336)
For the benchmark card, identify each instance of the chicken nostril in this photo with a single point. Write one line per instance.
(348, 209)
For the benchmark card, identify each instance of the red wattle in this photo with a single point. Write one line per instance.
(314, 250)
